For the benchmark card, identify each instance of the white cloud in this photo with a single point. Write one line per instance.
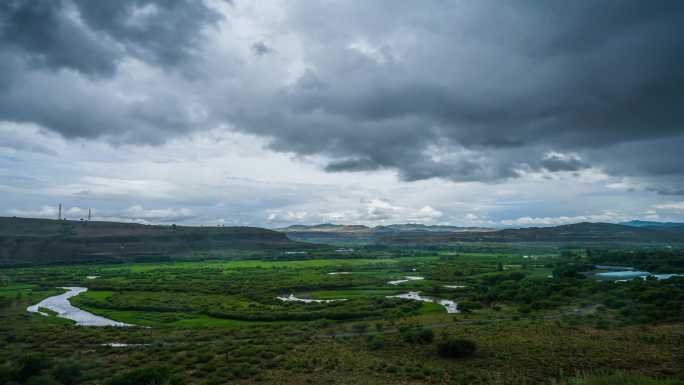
(678, 206)
(219, 175)
(43, 212)
(384, 211)
(379, 54)
(366, 211)
(164, 215)
(428, 213)
(563, 220)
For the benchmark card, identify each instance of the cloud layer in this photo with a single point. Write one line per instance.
(458, 92)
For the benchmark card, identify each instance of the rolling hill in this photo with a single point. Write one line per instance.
(29, 241)
(654, 225)
(359, 234)
(584, 232)
(422, 234)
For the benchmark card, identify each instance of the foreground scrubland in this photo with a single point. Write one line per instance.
(525, 319)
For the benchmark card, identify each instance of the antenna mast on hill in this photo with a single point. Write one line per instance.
(59, 216)
(88, 215)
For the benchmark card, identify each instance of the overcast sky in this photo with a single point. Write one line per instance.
(269, 113)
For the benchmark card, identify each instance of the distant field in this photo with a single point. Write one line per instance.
(223, 265)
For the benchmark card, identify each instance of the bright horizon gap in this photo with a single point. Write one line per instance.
(499, 226)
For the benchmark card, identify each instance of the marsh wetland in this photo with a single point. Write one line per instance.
(299, 321)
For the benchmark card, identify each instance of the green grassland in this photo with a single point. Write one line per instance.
(535, 318)
(242, 264)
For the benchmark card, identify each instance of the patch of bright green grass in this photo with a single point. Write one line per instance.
(51, 320)
(100, 295)
(351, 293)
(47, 311)
(143, 267)
(431, 308)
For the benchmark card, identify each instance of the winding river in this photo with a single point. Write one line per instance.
(631, 274)
(450, 306)
(408, 278)
(60, 304)
(293, 298)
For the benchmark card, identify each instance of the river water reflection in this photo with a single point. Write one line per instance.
(60, 304)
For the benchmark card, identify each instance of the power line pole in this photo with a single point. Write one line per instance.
(59, 216)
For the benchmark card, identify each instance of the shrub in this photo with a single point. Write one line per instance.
(42, 380)
(152, 375)
(421, 336)
(456, 348)
(602, 324)
(377, 343)
(468, 306)
(68, 373)
(5, 302)
(360, 328)
(6, 374)
(524, 309)
(31, 365)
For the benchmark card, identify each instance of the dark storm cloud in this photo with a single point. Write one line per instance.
(352, 165)
(458, 90)
(40, 39)
(666, 191)
(44, 32)
(163, 31)
(660, 157)
(260, 48)
(92, 36)
(75, 109)
(556, 162)
(510, 81)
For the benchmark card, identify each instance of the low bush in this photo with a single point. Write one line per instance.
(42, 380)
(68, 373)
(152, 375)
(456, 348)
(421, 336)
(31, 365)
(377, 342)
(6, 374)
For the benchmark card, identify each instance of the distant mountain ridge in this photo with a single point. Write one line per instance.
(584, 232)
(403, 227)
(653, 224)
(429, 234)
(328, 233)
(324, 227)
